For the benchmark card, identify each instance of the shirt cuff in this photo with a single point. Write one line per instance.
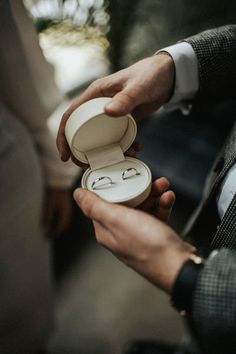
(186, 76)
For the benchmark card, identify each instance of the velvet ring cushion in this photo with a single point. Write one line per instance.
(101, 141)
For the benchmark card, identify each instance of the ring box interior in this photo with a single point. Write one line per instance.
(101, 141)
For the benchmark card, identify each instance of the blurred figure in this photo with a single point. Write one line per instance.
(34, 185)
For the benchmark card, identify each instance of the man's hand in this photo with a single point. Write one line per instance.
(141, 89)
(139, 240)
(160, 201)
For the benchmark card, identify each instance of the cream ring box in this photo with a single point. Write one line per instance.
(101, 141)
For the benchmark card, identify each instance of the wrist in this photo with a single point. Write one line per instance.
(170, 264)
(185, 284)
(167, 67)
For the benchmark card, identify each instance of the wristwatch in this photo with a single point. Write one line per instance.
(185, 284)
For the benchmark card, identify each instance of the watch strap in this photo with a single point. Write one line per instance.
(185, 284)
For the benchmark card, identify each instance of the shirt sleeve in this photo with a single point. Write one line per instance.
(186, 76)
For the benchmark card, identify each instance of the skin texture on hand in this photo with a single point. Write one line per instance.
(160, 201)
(139, 240)
(139, 89)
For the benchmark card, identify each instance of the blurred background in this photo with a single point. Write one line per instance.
(102, 305)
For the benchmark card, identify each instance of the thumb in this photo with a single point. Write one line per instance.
(93, 206)
(122, 103)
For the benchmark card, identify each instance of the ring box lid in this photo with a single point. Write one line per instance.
(96, 138)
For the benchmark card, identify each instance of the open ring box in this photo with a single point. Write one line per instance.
(100, 141)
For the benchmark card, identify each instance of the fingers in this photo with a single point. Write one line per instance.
(132, 151)
(137, 146)
(129, 88)
(122, 103)
(159, 186)
(160, 201)
(164, 199)
(106, 87)
(107, 217)
(62, 145)
(164, 205)
(82, 165)
(96, 208)
(125, 98)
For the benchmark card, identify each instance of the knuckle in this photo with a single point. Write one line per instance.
(126, 97)
(95, 85)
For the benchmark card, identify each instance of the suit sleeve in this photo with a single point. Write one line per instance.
(216, 53)
(213, 317)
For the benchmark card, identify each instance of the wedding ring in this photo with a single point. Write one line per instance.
(107, 182)
(128, 173)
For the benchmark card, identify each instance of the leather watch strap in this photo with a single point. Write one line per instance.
(183, 289)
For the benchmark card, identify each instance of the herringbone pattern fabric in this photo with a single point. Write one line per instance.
(226, 233)
(214, 314)
(214, 305)
(216, 53)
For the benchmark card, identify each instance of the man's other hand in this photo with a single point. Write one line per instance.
(138, 239)
(139, 89)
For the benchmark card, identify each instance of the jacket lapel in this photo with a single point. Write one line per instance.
(203, 226)
(226, 232)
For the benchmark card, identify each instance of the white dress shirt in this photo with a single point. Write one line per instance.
(186, 86)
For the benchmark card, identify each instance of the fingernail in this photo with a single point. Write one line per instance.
(114, 106)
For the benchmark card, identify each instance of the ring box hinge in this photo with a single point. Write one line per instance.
(105, 156)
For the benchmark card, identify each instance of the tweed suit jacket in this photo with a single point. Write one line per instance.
(213, 317)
